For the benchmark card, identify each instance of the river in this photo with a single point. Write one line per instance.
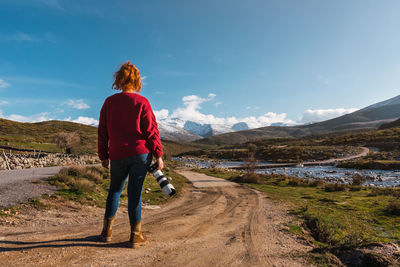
(332, 174)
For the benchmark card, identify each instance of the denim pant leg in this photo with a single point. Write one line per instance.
(137, 174)
(119, 172)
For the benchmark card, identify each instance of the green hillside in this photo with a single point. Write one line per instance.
(365, 119)
(313, 147)
(39, 136)
(389, 125)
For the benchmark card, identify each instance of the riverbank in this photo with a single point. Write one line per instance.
(371, 164)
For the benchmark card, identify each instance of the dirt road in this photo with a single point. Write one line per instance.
(214, 223)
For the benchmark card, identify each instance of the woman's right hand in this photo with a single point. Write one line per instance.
(160, 163)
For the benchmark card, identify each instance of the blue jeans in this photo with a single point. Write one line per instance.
(136, 167)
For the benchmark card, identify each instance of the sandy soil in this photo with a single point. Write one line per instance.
(214, 223)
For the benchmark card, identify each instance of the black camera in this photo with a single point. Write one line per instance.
(167, 188)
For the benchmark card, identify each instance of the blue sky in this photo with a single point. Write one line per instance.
(257, 61)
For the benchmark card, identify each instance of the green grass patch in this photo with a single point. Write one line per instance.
(294, 229)
(82, 184)
(337, 216)
(37, 204)
(89, 185)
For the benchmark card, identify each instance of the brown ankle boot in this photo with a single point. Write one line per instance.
(137, 238)
(107, 229)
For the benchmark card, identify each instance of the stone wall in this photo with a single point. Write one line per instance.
(20, 161)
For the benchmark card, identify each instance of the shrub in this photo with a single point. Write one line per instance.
(83, 185)
(315, 183)
(64, 178)
(253, 178)
(376, 191)
(93, 175)
(67, 141)
(394, 207)
(358, 179)
(74, 171)
(334, 187)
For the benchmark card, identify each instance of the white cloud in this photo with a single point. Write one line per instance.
(3, 84)
(86, 120)
(315, 115)
(44, 116)
(77, 103)
(161, 114)
(3, 102)
(217, 104)
(191, 112)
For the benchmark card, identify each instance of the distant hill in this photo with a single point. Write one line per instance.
(370, 117)
(39, 136)
(389, 125)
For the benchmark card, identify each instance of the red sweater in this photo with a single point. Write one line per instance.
(127, 127)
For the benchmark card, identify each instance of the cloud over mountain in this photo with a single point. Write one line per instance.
(316, 115)
(191, 111)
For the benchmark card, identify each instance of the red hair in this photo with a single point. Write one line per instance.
(127, 77)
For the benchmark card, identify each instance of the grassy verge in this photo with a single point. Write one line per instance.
(371, 164)
(89, 185)
(337, 216)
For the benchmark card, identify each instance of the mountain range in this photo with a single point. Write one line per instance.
(369, 117)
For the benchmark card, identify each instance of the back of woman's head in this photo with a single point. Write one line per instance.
(127, 77)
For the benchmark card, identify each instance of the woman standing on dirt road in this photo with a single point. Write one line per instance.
(128, 136)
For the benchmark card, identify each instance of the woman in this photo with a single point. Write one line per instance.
(128, 137)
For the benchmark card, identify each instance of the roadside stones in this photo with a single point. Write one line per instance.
(19, 161)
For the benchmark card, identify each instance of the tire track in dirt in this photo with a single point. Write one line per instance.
(215, 224)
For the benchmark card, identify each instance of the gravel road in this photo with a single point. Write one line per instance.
(18, 186)
(212, 223)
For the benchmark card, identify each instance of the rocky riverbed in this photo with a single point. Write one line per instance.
(331, 174)
(22, 161)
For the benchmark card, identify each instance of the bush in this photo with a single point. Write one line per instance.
(315, 183)
(82, 185)
(93, 175)
(67, 141)
(394, 207)
(334, 187)
(253, 178)
(358, 179)
(376, 191)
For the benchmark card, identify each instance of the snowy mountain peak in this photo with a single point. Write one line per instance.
(240, 126)
(203, 130)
